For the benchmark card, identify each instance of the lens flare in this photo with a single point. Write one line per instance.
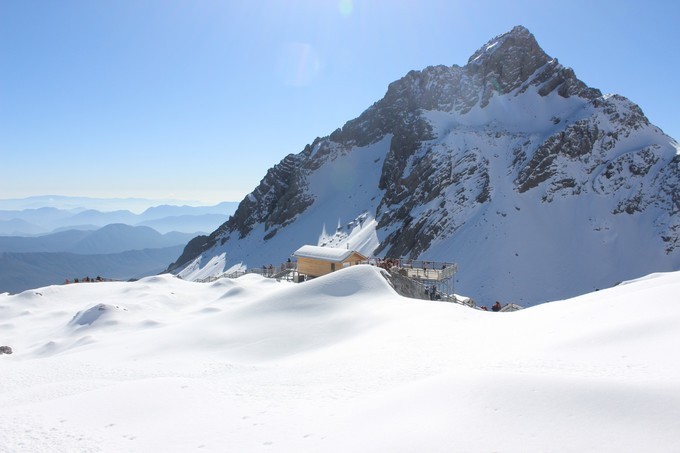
(345, 7)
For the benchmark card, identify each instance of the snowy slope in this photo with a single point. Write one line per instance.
(340, 363)
(342, 190)
(567, 237)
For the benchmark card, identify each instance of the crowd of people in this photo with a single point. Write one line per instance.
(85, 280)
(495, 307)
(387, 263)
(269, 271)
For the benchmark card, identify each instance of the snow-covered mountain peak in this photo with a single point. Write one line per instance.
(509, 165)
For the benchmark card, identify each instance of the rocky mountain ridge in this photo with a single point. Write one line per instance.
(509, 165)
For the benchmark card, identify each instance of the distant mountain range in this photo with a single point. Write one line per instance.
(538, 186)
(114, 238)
(164, 218)
(116, 251)
(45, 245)
(83, 203)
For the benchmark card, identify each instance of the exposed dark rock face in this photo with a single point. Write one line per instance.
(405, 286)
(574, 143)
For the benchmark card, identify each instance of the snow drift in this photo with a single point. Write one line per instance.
(340, 363)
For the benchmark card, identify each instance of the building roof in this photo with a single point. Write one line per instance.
(324, 253)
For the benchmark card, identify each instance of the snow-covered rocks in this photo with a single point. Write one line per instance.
(499, 165)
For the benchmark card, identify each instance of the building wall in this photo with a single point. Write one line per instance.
(353, 259)
(317, 268)
(312, 267)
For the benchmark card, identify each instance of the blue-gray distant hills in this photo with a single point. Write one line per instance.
(114, 238)
(116, 251)
(164, 218)
(46, 245)
(82, 203)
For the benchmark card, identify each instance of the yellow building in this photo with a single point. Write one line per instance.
(315, 261)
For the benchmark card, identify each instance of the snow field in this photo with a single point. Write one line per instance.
(340, 363)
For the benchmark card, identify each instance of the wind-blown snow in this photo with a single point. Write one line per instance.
(216, 266)
(339, 363)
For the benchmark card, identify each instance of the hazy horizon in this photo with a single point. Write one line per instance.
(132, 204)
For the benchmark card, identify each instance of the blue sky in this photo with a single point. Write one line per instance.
(195, 100)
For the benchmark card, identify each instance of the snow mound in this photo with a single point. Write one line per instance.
(339, 363)
(97, 313)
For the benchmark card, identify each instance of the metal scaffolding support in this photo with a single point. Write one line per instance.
(435, 277)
